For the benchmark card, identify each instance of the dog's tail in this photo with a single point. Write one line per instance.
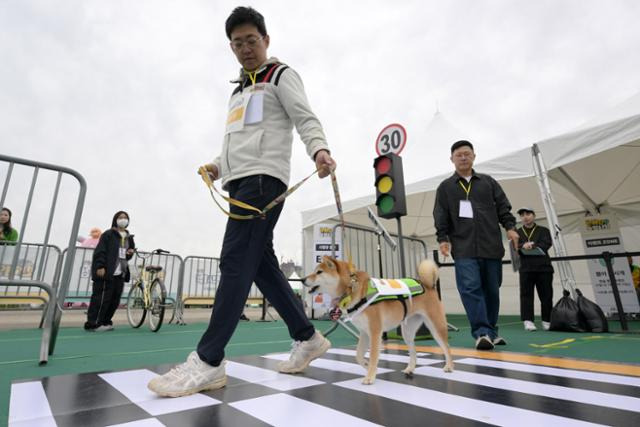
(428, 273)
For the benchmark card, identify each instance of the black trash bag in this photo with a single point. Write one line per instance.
(592, 314)
(565, 315)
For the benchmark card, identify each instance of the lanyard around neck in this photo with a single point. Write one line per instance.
(252, 76)
(467, 190)
(524, 230)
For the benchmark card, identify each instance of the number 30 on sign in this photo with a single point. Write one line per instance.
(391, 139)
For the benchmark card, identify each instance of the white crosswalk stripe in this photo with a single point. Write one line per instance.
(29, 406)
(267, 377)
(472, 409)
(133, 384)
(556, 372)
(296, 412)
(334, 365)
(558, 392)
(388, 357)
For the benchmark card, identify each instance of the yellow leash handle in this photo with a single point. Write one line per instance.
(204, 173)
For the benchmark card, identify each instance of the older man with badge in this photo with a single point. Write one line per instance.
(468, 210)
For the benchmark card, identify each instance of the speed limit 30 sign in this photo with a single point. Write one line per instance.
(391, 139)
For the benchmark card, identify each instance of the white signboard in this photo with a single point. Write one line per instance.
(601, 234)
(391, 139)
(322, 246)
(322, 242)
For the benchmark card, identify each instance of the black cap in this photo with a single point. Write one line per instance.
(525, 209)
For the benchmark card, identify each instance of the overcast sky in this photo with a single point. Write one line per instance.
(133, 94)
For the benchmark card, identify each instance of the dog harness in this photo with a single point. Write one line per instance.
(379, 290)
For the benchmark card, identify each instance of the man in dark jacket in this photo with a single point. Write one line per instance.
(109, 272)
(468, 210)
(535, 269)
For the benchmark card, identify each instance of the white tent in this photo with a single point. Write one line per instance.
(294, 282)
(597, 166)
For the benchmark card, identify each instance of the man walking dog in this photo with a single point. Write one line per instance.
(268, 100)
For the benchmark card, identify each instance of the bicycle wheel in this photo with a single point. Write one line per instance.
(157, 294)
(136, 310)
(170, 309)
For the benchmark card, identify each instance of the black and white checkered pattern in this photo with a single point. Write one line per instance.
(479, 392)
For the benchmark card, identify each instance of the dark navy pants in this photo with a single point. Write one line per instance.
(478, 281)
(247, 256)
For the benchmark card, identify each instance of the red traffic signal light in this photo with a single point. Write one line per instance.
(390, 195)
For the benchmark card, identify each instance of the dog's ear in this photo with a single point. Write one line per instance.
(330, 262)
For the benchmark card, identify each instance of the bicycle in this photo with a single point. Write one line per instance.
(147, 295)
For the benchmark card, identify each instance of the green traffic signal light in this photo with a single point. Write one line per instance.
(385, 204)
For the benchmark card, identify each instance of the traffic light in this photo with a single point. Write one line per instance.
(390, 197)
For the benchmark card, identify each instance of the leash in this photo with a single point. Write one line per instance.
(260, 213)
(336, 194)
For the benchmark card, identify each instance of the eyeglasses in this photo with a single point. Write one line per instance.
(251, 42)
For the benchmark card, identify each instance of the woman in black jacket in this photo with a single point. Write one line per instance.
(109, 271)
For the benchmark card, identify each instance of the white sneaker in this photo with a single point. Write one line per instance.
(530, 326)
(190, 377)
(546, 325)
(104, 328)
(304, 352)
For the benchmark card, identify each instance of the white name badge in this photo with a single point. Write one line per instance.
(254, 110)
(123, 253)
(466, 211)
(246, 109)
(237, 110)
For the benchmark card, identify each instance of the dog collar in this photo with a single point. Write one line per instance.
(344, 302)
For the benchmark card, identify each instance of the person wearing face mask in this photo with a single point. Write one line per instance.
(109, 272)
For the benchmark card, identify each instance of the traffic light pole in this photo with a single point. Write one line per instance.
(403, 269)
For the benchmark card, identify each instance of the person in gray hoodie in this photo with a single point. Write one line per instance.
(268, 100)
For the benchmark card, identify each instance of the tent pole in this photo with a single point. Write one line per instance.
(567, 279)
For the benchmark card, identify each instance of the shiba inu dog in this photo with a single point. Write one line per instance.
(334, 277)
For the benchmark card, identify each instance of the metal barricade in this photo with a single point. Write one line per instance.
(369, 252)
(200, 279)
(80, 284)
(35, 262)
(20, 192)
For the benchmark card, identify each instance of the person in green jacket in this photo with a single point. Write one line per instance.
(7, 233)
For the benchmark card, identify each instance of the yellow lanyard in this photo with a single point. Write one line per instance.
(252, 76)
(524, 230)
(466, 190)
